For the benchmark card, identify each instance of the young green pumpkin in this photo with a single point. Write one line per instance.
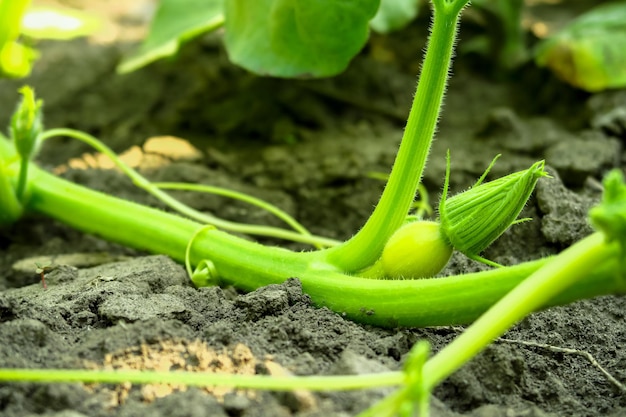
(416, 250)
(469, 222)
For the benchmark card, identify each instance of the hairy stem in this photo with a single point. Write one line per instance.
(364, 248)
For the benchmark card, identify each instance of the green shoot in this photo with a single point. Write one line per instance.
(58, 23)
(42, 270)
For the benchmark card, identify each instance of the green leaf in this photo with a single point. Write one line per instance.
(175, 22)
(60, 23)
(394, 14)
(590, 53)
(295, 38)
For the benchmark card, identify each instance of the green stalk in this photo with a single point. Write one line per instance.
(249, 265)
(364, 248)
(205, 379)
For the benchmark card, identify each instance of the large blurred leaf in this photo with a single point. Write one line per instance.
(296, 38)
(394, 15)
(590, 53)
(175, 22)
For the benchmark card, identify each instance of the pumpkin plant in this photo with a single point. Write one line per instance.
(348, 277)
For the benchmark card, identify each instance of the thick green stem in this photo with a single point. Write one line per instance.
(366, 246)
(248, 265)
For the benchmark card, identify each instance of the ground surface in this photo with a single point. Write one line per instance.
(310, 148)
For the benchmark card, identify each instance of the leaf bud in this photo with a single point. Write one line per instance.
(26, 124)
(472, 220)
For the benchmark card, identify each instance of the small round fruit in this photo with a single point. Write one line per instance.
(416, 250)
